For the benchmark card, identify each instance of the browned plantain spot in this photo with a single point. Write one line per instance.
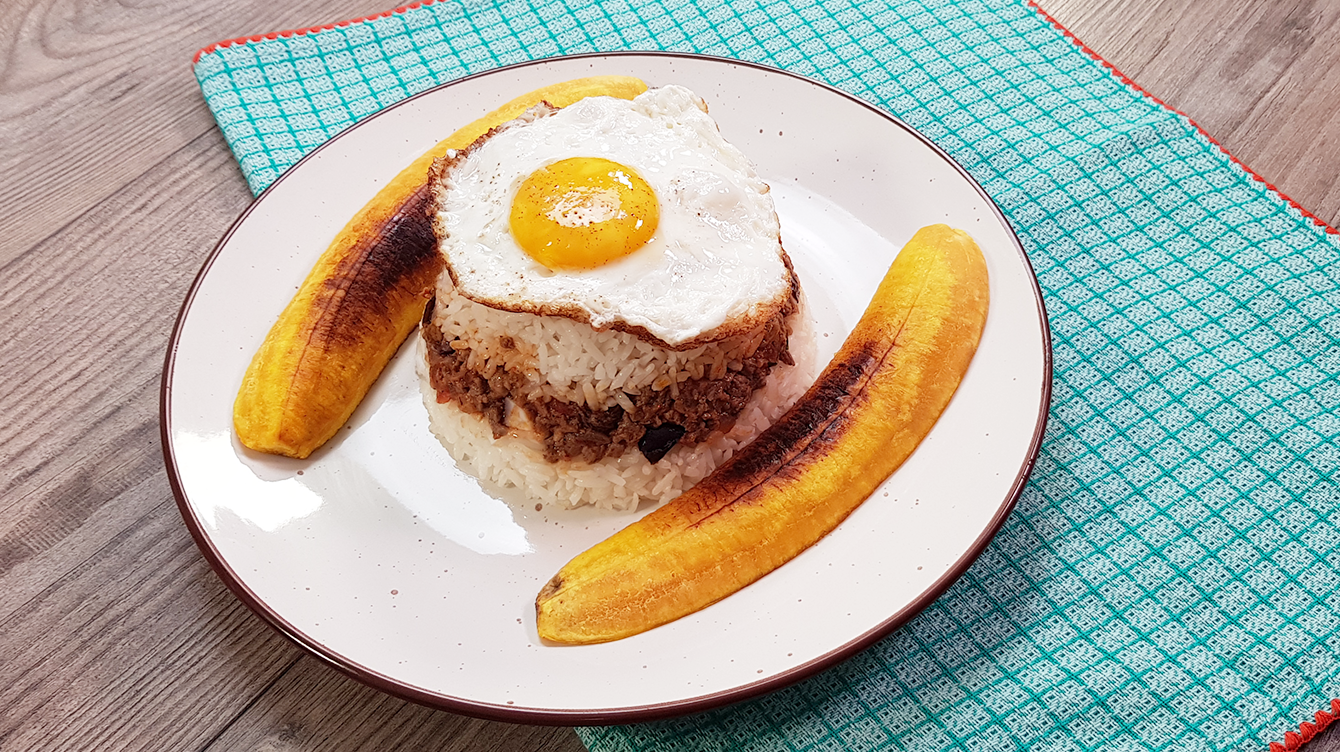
(824, 402)
(381, 264)
(550, 589)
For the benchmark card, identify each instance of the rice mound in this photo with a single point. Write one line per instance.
(569, 360)
(583, 365)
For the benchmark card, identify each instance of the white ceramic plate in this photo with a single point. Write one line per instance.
(381, 557)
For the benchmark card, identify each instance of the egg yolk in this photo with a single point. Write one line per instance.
(583, 212)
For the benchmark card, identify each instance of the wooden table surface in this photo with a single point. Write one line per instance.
(114, 632)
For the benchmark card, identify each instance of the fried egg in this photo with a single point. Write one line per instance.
(632, 215)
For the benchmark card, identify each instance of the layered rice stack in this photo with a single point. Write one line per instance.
(635, 392)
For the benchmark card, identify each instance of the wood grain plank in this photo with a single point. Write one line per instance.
(103, 613)
(1262, 78)
(1326, 741)
(139, 647)
(82, 348)
(297, 713)
(92, 92)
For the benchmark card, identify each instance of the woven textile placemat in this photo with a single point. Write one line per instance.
(1169, 577)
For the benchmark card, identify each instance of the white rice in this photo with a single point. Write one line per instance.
(573, 355)
(569, 360)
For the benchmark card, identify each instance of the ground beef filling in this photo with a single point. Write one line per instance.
(572, 430)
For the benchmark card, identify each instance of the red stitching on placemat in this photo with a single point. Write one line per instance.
(1127, 80)
(309, 30)
(1306, 731)
(1032, 3)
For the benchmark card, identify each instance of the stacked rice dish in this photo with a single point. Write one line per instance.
(617, 314)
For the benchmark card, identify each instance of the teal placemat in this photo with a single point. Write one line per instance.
(1169, 577)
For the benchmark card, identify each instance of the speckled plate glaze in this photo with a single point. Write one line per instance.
(382, 558)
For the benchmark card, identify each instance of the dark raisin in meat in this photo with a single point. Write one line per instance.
(658, 440)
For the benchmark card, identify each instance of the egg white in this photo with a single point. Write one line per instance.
(714, 261)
